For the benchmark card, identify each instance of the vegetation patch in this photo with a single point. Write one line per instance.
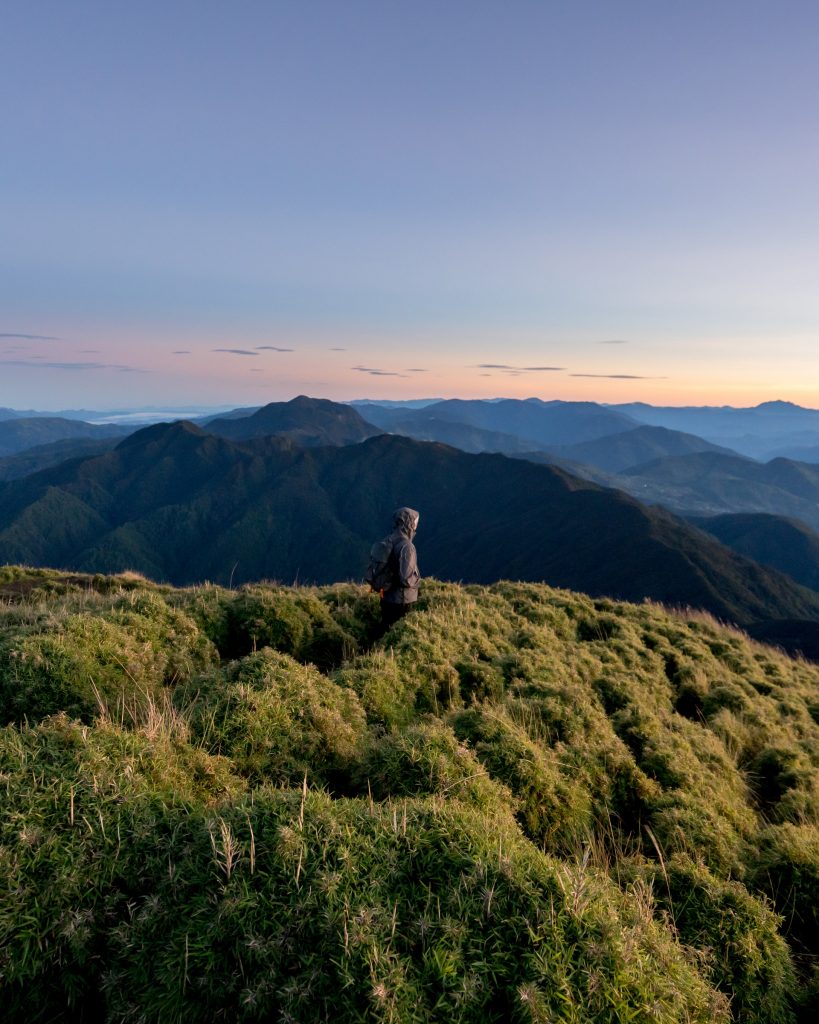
(517, 804)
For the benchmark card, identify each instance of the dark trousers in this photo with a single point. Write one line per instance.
(391, 613)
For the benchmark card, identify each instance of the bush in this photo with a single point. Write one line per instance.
(277, 721)
(84, 663)
(745, 956)
(786, 868)
(553, 811)
(427, 758)
(295, 905)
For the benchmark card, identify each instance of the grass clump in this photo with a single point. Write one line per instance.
(787, 870)
(120, 653)
(428, 759)
(736, 932)
(276, 720)
(294, 621)
(517, 804)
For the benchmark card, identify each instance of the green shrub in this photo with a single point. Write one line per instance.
(81, 806)
(83, 663)
(745, 955)
(293, 621)
(427, 758)
(148, 905)
(786, 868)
(277, 720)
(554, 811)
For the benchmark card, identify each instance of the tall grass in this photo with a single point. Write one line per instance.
(519, 804)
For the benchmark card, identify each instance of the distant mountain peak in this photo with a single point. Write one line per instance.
(163, 432)
(308, 421)
(778, 405)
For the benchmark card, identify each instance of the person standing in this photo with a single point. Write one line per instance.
(393, 568)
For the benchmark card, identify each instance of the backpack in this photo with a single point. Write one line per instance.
(380, 574)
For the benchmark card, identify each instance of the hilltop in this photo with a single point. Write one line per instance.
(307, 421)
(519, 804)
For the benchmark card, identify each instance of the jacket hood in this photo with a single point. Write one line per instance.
(406, 519)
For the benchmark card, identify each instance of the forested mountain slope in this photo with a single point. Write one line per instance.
(182, 505)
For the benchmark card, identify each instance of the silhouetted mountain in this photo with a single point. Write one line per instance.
(308, 421)
(544, 423)
(177, 503)
(711, 484)
(798, 453)
(19, 434)
(393, 403)
(796, 636)
(32, 460)
(783, 544)
(240, 413)
(757, 432)
(66, 414)
(617, 452)
(460, 435)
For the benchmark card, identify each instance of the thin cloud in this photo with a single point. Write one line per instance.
(416, 369)
(272, 348)
(373, 371)
(235, 351)
(70, 366)
(337, 350)
(89, 351)
(616, 376)
(181, 352)
(29, 337)
(506, 368)
(613, 341)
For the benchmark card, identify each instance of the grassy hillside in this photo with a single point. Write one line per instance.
(518, 805)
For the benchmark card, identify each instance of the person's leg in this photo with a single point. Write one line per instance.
(391, 613)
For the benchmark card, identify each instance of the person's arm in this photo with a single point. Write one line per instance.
(408, 575)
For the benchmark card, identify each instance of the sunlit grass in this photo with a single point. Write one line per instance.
(520, 803)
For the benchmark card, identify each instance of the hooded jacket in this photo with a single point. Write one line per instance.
(405, 561)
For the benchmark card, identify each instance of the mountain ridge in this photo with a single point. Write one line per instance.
(185, 505)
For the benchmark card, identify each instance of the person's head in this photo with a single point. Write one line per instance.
(406, 519)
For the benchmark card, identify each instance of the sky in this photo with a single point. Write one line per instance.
(205, 203)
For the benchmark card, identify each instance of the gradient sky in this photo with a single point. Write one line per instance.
(218, 203)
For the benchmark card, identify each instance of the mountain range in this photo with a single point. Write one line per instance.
(42, 456)
(180, 504)
(250, 492)
(784, 544)
(762, 432)
(542, 423)
(710, 483)
(17, 435)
